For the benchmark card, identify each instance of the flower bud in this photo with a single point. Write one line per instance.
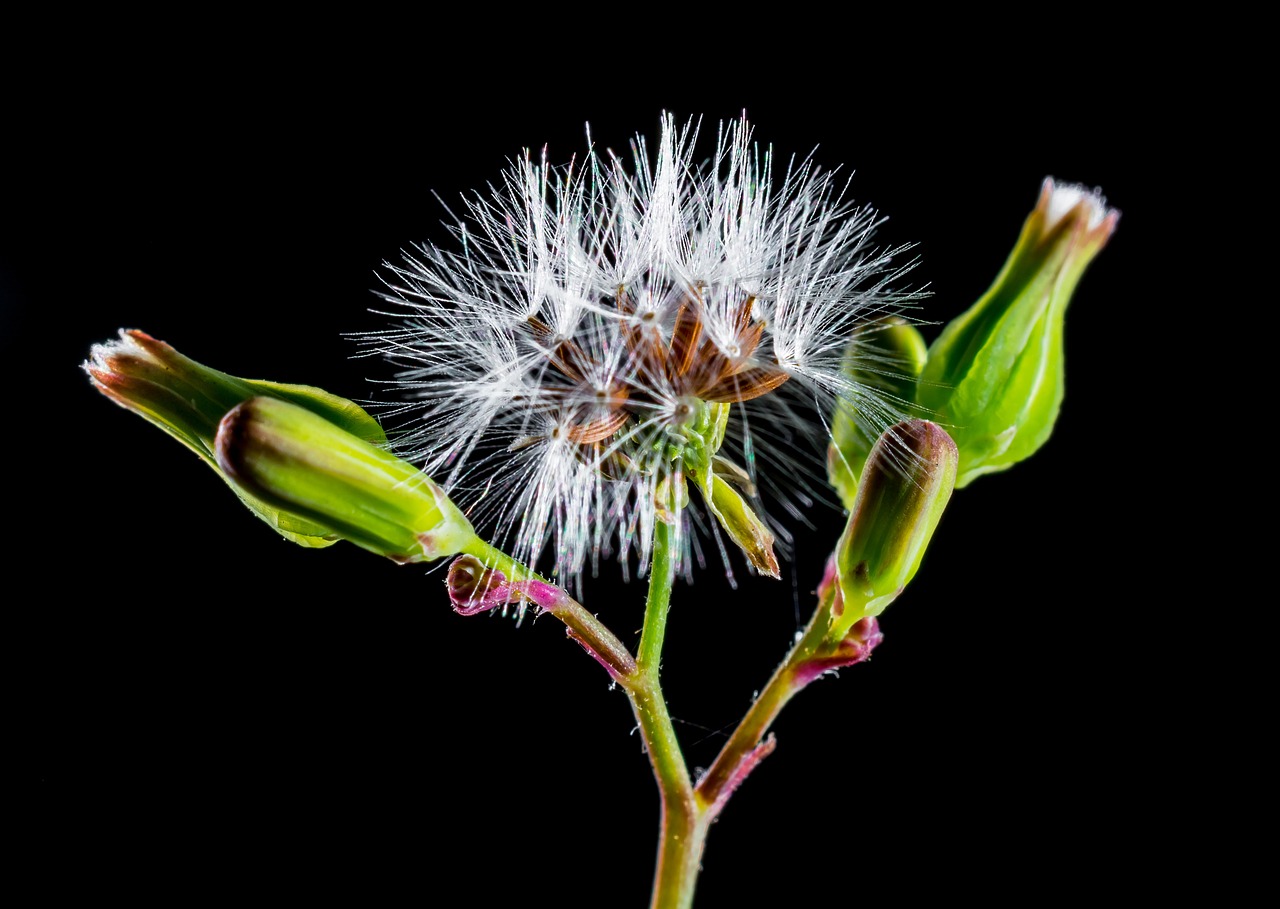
(303, 464)
(994, 375)
(884, 358)
(904, 488)
(187, 400)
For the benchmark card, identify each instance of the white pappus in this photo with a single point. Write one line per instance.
(603, 334)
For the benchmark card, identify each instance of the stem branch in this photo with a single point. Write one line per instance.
(582, 625)
(741, 750)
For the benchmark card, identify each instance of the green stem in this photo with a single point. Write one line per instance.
(734, 760)
(684, 826)
(658, 603)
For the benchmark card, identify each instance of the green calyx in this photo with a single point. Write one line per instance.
(693, 440)
(995, 375)
(301, 463)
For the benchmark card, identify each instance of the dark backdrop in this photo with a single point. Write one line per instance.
(201, 697)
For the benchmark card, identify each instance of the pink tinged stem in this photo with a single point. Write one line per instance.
(475, 588)
(610, 667)
(748, 763)
(810, 658)
(864, 637)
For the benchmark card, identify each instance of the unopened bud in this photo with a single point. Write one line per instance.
(904, 488)
(882, 363)
(188, 400)
(994, 375)
(301, 463)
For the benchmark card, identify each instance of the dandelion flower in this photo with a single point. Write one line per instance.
(602, 336)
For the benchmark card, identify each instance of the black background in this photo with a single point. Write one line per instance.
(201, 697)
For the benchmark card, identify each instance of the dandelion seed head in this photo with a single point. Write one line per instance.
(603, 331)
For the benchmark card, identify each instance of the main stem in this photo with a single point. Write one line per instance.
(683, 828)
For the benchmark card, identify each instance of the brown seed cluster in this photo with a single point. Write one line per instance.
(687, 364)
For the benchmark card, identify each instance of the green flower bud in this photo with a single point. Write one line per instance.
(884, 359)
(301, 463)
(904, 488)
(994, 375)
(187, 400)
